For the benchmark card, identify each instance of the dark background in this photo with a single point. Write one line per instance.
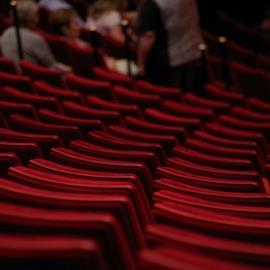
(248, 11)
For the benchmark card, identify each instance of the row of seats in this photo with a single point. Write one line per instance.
(122, 174)
(220, 45)
(244, 35)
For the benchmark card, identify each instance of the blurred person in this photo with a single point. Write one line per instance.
(35, 48)
(64, 22)
(169, 35)
(53, 5)
(106, 17)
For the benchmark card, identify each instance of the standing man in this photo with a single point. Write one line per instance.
(169, 35)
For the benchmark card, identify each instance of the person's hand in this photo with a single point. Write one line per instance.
(110, 62)
(65, 69)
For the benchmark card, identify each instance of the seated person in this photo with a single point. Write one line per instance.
(35, 48)
(53, 5)
(64, 22)
(105, 16)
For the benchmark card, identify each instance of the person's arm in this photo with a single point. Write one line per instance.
(116, 33)
(42, 52)
(147, 26)
(145, 45)
(45, 57)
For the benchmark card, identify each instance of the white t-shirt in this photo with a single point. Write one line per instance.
(54, 5)
(104, 23)
(181, 21)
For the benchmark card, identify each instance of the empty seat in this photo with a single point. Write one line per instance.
(24, 150)
(102, 226)
(250, 115)
(164, 92)
(8, 107)
(147, 158)
(198, 241)
(258, 105)
(203, 170)
(217, 92)
(147, 126)
(89, 87)
(124, 109)
(241, 54)
(224, 151)
(163, 257)
(257, 212)
(57, 168)
(53, 252)
(236, 30)
(229, 142)
(107, 116)
(119, 205)
(13, 94)
(83, 124)
(105, 139)
(211, 182)
(167, 141)
(18, 81)
(168, 119)
(186, 110)
(24, 124)
(131, 97)
(8, 159)
(214, 223)
(7, 65)
(230, 197)
(36, 72)
(213, 160)
(84, 161)
(45, 89)
(234, 133)
(45, 141)
(113, 77)
(217, 106)
(251, 80)
(83, 185)
(253, 126)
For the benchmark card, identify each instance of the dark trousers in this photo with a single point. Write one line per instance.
(187, 77)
